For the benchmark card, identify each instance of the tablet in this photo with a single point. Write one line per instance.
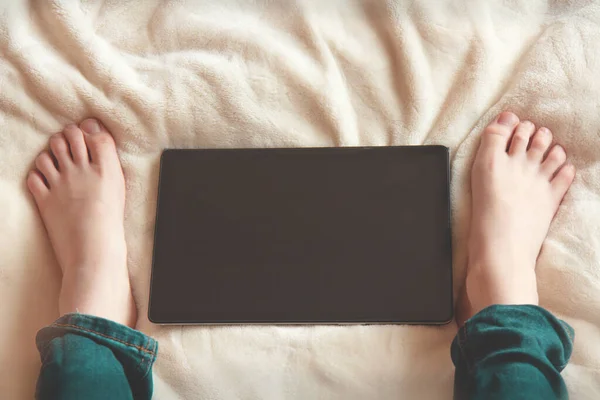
(303, 236)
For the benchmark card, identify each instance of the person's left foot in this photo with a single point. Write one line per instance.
(79, 189)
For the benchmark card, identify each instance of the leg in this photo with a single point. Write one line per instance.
(511, 348)
(511, 352)
(87, 357)
(91, 351)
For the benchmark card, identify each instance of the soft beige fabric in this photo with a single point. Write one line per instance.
(220, 73)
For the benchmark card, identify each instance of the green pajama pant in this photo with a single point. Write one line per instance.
(504, 352)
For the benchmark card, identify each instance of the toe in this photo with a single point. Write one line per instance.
(45, 165)
(36, 185)
(497, 134)
(77, 145)
(60, 149)
(562, 181)
(540, 144)
(520, 139)
(100, 143)
(554, 160)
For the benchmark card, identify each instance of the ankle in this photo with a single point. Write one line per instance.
(101, 292)
(487, 286)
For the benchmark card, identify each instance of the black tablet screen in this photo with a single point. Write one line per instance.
(306, 235)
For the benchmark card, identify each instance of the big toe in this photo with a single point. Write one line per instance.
(100, 142)
(497, 134)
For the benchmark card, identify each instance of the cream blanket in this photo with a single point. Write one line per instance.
(226, 73)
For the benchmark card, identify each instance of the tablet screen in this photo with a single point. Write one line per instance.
(304, 235)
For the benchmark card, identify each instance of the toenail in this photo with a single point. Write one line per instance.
(507, 118)
(91, 126)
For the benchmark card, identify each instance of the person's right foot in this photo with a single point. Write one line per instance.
(517, 186)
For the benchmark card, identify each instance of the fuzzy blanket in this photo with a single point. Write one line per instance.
(263, 73)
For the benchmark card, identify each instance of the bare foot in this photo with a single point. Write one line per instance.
(517, 186)
(80, 191)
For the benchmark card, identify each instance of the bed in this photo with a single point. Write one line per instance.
(216, 74)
